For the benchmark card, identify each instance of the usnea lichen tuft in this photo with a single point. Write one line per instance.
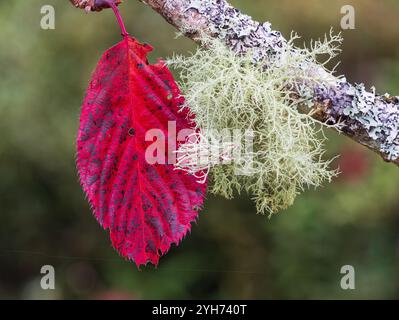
(225, 90)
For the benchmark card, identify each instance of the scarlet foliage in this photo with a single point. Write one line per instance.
(146, 207)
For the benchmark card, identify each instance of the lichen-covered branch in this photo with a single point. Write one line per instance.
(368, 118)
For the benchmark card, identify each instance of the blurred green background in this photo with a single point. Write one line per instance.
(231, 252)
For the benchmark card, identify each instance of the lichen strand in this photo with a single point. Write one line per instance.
(228, 91)
(370, 119)
(364, 113)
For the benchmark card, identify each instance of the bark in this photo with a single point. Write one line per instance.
(366, 117)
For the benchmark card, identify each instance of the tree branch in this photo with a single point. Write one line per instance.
(93, 5)
(369, 119)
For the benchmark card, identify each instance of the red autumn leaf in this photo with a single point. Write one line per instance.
(146, 207)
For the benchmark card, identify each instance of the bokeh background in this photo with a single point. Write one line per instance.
(231, 252)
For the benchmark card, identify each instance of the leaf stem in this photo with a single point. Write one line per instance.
(118, 17)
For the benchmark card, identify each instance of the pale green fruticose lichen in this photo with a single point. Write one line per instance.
(229, 91)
